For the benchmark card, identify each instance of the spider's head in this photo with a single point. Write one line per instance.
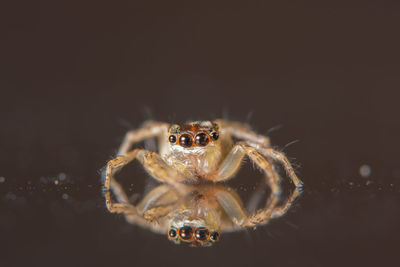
(193, 134)
(196, 232)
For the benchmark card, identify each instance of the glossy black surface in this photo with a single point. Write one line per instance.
(77, 75)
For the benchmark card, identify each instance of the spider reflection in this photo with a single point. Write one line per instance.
(198, 214)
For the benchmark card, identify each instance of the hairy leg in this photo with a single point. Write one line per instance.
(281, 210)
(233, 160)
(153, 164)
(229, 167)
(148, 130)
(134, 215)
(158, 202)
(244, 132)
(280, 157)
(235, 210)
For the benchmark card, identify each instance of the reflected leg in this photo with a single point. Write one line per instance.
(281, 210)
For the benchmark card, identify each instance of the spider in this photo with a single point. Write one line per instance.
(185, 206)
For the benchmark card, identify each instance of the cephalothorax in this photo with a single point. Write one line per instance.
(189, 154)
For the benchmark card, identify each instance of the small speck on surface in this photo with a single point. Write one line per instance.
(365, 171)
(64, 196)
(2, 179)
(62, 176)
(56, 182)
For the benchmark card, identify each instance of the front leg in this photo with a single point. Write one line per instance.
(153, 164)
(233, 160)
(229, 167)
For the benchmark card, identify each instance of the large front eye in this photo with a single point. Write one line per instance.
(186, 140)
(201, 139)
(186, 233)
(202, 234)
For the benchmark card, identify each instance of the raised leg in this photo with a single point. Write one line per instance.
(280, 157)
(243, 132)
(153, 164)
(233, 160)
(148, 130)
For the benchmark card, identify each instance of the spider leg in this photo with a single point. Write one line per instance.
(281, 210)
(149, 129)
(153, 164)
(271, 211)
(244, 132)
(235, 210)
(135, 214)
(256, 197)
(232, 206)
(233, 160)
(229, 167)
(159, 202)
(280, 157)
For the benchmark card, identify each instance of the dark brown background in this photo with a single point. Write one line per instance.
(76, 75)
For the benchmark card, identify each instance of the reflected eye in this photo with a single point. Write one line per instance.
(201, 139)
(186, 233)
(214, 136)
(214, 236)
(172, 233)
(202, 234)
(185, 140)
(172, 138)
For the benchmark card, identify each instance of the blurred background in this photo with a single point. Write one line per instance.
(76, 75)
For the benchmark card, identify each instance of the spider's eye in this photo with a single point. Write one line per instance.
(214, 136)
(172, 233)
(185, 140)
(172, 138)
(202, 234)
(186, 233)
(214, 236)
(201, 139)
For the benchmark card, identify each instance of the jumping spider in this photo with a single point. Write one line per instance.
(183, 207)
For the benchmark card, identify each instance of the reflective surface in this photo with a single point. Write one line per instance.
(77, 76)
